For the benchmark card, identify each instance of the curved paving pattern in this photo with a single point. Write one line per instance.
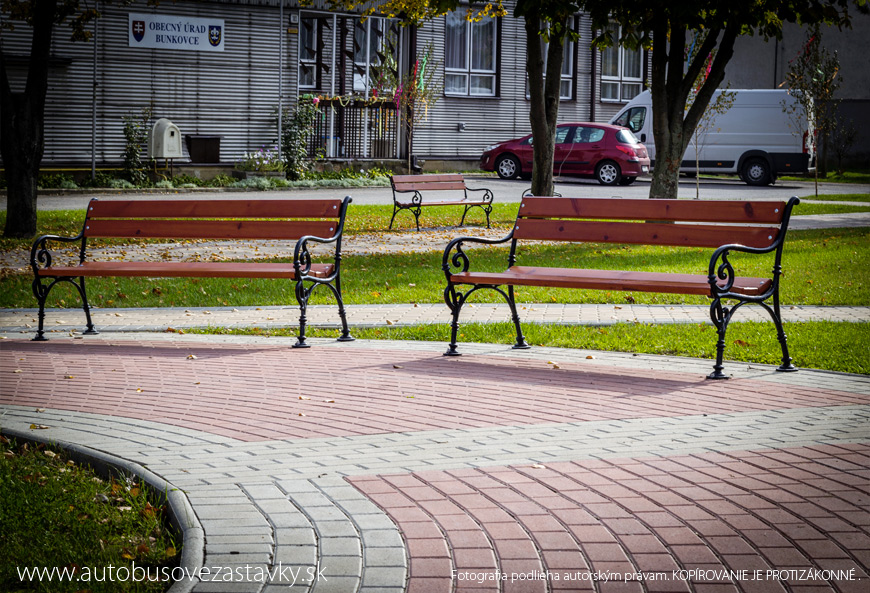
(497, 471)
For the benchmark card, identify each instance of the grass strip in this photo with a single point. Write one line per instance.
(58, 513)
(820, 344)
(856, 176)
(821, 267)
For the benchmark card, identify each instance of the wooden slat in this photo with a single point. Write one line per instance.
(184, 270)
(429, 185)
(644, 209)
(423, 178)
(214, 209)
(608, 280)
(640, 233)
(447, 203)
(209, 229)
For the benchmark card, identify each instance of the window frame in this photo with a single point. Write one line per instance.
(621, 80)
(468, 71)
(363, 82)
(313, 62)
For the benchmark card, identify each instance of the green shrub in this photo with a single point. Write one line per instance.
(56, 181)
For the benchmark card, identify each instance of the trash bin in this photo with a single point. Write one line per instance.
(203, 149)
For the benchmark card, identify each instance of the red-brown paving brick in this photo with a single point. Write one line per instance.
(751, 531)
(253, 392)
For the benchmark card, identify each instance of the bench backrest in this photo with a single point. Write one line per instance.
(428, 182)
(215, 219)
(650, 222)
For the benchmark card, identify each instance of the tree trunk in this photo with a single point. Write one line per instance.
(22, 125)
(544, 102)
(673, 126)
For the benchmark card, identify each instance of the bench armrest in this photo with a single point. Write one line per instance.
(459, 259)
(487, 196)
(416, 199)
(40, 255)
(724, 270)
(301, 254)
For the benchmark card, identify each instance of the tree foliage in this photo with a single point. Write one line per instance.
(665, 27)
(813, 77)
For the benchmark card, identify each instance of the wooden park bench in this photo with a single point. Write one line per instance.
(416, 184)
(727, 227)
(308, 222)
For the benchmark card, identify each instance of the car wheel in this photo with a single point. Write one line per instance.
(756, 171)
(608, 173)
(507, 167)
(627, 180)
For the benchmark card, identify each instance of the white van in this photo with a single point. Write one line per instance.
(754, 138)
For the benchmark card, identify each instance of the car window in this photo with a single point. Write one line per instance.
(632, 119)
(626, 137)
(584, 135)
(562, 134)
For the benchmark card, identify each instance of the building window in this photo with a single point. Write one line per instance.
(470, 56)
(566, 87)
(369, 46)
(621, 72)
(308, 53)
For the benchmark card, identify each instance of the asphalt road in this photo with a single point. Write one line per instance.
(504, 190)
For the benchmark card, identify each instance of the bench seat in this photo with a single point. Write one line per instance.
(184, 270)
(610, 280)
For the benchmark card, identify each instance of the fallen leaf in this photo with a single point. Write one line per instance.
(389, 322)
(304, 397)
(38, 427)
(539, 466)
(51, 454)
(191, 357)
(39, 410)
(742, 343)
(398, 366)
(69, 376)
(590, 357)
(329, 401)
(17, 371)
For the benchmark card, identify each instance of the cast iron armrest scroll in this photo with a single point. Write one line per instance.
(460, 259)
(725, 270)
(301, 255)
(40, 254)
(487, 197)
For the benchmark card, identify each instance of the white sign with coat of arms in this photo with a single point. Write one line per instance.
(163, 31)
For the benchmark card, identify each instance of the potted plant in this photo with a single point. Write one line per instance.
(261, 163)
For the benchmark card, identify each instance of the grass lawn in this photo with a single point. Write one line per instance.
(822, 267)
(819, 345)
(57, 513)
(855, 176)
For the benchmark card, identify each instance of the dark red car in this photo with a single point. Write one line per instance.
(610, 154)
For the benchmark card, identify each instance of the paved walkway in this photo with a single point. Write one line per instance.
(163, 319)
(384, 466)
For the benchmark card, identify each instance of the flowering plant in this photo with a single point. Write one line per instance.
(261, 161)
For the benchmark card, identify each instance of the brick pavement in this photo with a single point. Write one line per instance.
(493, 472)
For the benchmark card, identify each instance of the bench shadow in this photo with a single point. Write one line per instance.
(538, 375)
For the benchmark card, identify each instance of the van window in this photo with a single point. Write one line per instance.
(632, 119)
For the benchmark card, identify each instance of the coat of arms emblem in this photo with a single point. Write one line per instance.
(138, 28)
(214, 35)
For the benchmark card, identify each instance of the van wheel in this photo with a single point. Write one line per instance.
(507, 167)
(627, 180)
(756, 171)
(608, 173)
